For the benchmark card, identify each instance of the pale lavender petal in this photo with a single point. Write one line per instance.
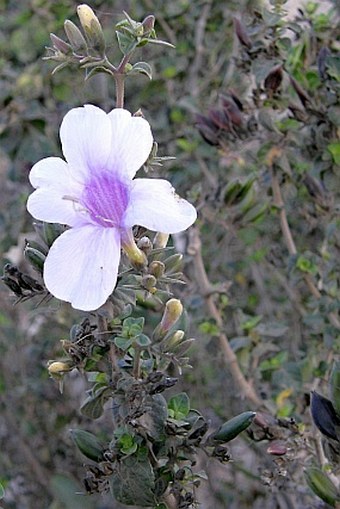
(51, 172)
(85, 135)
(55, 200)
(49, 205)
(82, 266)
(155, 205)
(131, 142)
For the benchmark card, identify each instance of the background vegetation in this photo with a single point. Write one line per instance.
(248, 104)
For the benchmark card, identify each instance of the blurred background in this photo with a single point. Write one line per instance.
(281, 333)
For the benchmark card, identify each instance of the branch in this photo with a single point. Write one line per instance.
(205, 286)
(288, 237)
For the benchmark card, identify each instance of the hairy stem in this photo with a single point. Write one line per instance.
(120, 83)
(119, 75)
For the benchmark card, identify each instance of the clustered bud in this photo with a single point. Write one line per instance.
(22, 285)
(223, 123)
(88, 50)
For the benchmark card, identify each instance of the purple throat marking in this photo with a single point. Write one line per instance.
(105, 198)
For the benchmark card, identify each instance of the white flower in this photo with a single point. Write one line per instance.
(95, 194)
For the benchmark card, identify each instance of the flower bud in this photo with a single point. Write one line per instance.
(173, 263)
(220, 118)
(157, 268)
(264, 421)
(148, 24)
(59, 368)
(241, 33)
(51, 231)
(207, 129)
(75, 37)
(145, 245)
(172, 313)
(277, 448)
(175, 339)
(322, 486)
(274, 78)
(303, 96)
(35, 257)
(60, 45)
(149, 283)
(324, 416)
(160, 240)
(233, 110)
(92, 27)
(135, 255)
(138, 30)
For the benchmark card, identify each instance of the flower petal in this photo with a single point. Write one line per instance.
(52, 178)
(50, 172)
(154, 204)
(131, 142)
(49, 205)
(82, 266)
(85, 135)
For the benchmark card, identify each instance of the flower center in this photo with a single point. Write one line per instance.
(105, 199)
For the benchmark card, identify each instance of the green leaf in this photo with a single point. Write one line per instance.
(127, 443)
(127, 43)
(142, 68)
(88, 444)
(230, 429)
(322, 486)
(334, 149)
(93, 406)
(179, 406)
(133, 481)
(122, 343)
(155, 418)
(132, 327)
(160, 42)
(251, 322)
(2, 491)
(143, 341)
(209, 328)
(306, 265)
(274, 362)
(333, 67)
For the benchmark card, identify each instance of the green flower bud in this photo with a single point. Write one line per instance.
(35, 257)
(75, 37)
(157, 269)
(322, 486)
(149, 283)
